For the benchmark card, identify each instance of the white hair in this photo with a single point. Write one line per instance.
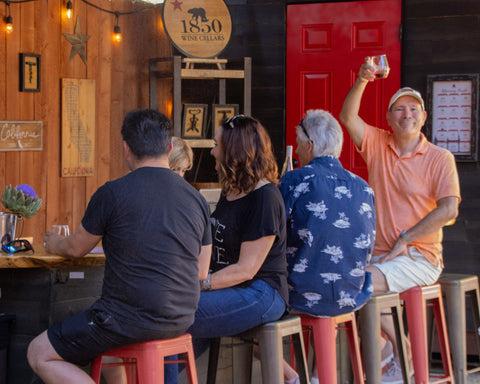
(324, 131)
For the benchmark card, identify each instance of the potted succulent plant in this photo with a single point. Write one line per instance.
(21, 202)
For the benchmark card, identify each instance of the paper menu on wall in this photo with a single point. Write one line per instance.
(451, 116)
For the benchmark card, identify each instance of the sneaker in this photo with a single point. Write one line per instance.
(314, 380)
(393, 374)
(387, 353)
(295, 380)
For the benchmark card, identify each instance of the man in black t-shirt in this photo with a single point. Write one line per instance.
(156, 234)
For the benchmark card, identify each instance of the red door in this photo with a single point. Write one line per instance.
(326, 44)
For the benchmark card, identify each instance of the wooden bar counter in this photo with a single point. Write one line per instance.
(41, 289)
(43, 259)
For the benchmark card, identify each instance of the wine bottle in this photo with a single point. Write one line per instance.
(288, 163)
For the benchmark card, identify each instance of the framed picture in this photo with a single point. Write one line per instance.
(221, 112)
(29, 72)
(194, 121)
(453, 115)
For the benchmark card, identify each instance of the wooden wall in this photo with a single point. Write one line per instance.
(120, 71)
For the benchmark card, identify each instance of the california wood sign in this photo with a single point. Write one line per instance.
(197, 28)
(78, 127)
(21, 135)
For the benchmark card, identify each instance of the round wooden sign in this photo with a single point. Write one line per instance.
(197, 28)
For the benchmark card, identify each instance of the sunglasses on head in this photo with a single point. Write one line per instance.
(230, 122)
(15, 246)
(305, 131)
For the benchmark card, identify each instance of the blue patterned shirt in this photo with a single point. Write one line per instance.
(331, 234)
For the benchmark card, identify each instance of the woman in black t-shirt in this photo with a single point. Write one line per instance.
(247, 285)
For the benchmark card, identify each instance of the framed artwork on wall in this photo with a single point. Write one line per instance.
(453, 116)
(221, 112)
(194, 121)
(29, 72)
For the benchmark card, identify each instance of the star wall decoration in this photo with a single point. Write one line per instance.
(176, 4)
(78, 42)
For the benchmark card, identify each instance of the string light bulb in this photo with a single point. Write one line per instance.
(9, 24)
(69, 9)
(117, 34)
(8, 20)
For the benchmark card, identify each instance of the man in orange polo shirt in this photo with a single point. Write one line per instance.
(416, 193)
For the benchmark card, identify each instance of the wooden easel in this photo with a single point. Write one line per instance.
(190, 62)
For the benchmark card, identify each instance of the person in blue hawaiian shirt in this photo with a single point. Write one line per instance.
(330, 223)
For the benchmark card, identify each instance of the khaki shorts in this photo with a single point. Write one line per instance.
(402, 273)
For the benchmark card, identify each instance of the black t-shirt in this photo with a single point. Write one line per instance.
(258, 214)
(153, 225)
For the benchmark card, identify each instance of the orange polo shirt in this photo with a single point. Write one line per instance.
(407, 188)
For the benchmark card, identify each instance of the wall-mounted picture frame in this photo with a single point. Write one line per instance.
(29, 72)
(194, 121)
(453, 115)
(221, 112)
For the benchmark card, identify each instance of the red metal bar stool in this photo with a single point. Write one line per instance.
(324, 344)
(149, 358)
(416, 300)
(457, 287)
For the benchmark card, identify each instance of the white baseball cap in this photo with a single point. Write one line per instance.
(407, 91)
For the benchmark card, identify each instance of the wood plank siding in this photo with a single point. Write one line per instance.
(120, 71)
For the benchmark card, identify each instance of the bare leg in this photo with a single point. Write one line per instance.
(114, 375)
(50, 367)
(380, 285)
(288, 372)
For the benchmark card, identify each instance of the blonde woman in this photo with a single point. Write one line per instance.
(180, 159)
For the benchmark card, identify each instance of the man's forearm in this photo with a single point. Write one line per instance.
(351, 105)
(435, 220)
(76, 245)
(349, 116)
(60, 245)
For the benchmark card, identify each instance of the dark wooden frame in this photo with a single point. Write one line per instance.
(186, 127)
(26, 83)
(219, 109)
(433, 112)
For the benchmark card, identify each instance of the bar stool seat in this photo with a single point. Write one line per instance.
(149, 358)
(456, 288)
(370, 334)
(270, 342)
(416, 300)
(324, 344)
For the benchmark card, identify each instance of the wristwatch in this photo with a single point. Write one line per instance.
(403, 234)
(206, 284)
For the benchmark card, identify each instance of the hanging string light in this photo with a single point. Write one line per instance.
(117, 34)
(8, 20)
(69, 12)
(69, 7)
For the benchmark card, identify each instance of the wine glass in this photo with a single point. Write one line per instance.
(382, 69)
(62, 230)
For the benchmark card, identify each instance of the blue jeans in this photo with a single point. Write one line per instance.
(229, 311)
